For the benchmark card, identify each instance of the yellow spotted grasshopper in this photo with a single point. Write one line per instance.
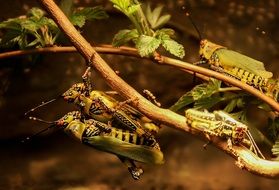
(239, 66)
(236, 65)
(127, 124)
(127, 145)
(222, 125)
(102, 107)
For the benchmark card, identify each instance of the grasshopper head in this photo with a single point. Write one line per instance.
(68, 118)
(233, 127)
(75, 91)
(207, 48)
(238, 133)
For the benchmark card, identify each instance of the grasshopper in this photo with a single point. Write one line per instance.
(127, 145)
(104, 108)
(222, 125)
(236, 65)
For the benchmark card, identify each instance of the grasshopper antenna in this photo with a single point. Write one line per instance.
(36, 134)
(193, 23)
(41, 105)
(199, 35)
(53, 124)
(256, 148)
(41, 120)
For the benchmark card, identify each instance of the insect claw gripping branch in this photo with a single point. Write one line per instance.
(221, 124)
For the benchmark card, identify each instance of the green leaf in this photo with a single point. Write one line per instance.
(121, 5)
(11, 36)
(234, 103)
(30, 25)
(275, 149)
(132, 9)
(154, 18)
(22, 42)
(174, 48)
(206, 89)
(201, 95)
(165, 33)
(183, 101)
(36, 12)
(78, 20)
(79, 17)
(170, 45)
(124, 36)
(92, 13)
(51, 25)
(273, 128)
(12, 24)
(240, 103)
(265, 106)
(206, 103)
(33, 43)
(146, 45)
(67, 7)
(230, 106)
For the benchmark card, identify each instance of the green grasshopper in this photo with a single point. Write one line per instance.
(104, 108)
(236, 65)
(128, 146)
(222, 125)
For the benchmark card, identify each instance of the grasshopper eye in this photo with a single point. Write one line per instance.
(202, 43)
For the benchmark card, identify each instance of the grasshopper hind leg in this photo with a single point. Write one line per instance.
(135, 171)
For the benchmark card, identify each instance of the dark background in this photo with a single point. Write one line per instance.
(54, 161)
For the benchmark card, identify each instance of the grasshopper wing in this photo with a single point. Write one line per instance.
(140, 153)
(234, 59)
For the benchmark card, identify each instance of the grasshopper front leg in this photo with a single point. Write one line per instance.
(135, 171)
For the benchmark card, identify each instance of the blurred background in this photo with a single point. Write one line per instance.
(54, 161)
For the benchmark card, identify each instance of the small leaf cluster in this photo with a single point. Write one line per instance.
(148, 35)
(80, 16)
(209, 94)
(35, 30)
(32, 30)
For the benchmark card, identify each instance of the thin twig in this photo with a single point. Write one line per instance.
(226, 89)
(102, 49)
(202, 73)
(248, 159)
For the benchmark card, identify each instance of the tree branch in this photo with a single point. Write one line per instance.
(102, 49)
(248, 159)
(128, 51)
